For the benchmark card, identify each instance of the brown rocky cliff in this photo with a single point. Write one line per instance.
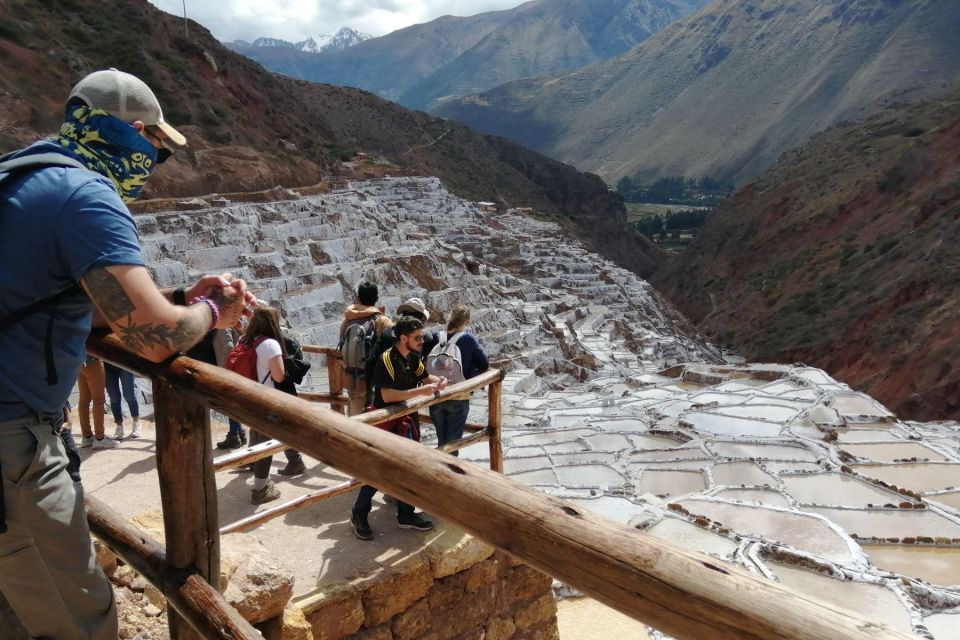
(844, 256)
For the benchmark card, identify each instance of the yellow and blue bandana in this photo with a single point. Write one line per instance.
(111, 147)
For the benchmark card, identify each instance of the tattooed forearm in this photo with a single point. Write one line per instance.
(141, 338)
(106, 291)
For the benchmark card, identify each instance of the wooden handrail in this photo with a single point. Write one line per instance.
(687, 595)
(197, 602)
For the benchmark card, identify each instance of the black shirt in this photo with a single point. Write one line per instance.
(393, 371)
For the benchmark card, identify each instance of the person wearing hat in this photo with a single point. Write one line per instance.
(72, 260)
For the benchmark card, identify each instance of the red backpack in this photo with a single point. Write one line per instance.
(242, 358)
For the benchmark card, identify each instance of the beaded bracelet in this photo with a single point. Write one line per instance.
(214, 309)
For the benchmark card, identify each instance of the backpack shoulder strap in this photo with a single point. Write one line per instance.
(38, 161)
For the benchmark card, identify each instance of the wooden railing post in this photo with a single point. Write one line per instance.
(188, 491)
(335, 377)
(494, 398)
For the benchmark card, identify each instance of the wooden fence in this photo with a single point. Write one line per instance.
(687, 595)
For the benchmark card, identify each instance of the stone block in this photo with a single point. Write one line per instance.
(106, 558)
(376, 633)
(260, 586)
(472, 611)
(543, 631)
(501, 629)
(412, 623)
(454, 550)
(291, 625)
(391, 594)
(540, 610)
(335, 613)
(522, 584)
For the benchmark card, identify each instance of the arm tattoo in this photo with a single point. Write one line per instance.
(143, 337)
(104, 288)
(108, 294)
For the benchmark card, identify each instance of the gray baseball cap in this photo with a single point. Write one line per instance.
(126, 97)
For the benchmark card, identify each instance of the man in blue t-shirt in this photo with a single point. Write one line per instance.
(71, 259)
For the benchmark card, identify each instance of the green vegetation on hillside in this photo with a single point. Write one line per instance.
(701, 192)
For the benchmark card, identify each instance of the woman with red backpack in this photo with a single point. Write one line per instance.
(260, 355)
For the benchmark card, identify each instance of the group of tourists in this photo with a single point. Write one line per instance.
(387, 361)
(72, 261)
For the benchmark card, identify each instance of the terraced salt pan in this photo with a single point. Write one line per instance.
(760, 496)
(917, 476)
(864, 435)
(951, 499)
(761, 451)
(935, 565)
(944, 626)
(891, 451)
(671, 483)
(653, 442)
(891, 523)
(837, 489)
(741, 473)
(873, 602)
(731, 427)
(798, 530)
(690, 536)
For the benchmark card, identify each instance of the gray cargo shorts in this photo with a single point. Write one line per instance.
(48, 569)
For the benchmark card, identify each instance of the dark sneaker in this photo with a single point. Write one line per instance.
(414, 522)
(268, 493)
(294, 467)
(232, 441)
(361, 527)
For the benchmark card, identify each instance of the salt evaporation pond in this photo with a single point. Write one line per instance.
(919, 477)
(836, 489)
(937, 566)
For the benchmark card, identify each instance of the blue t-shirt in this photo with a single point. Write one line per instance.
(56, 224)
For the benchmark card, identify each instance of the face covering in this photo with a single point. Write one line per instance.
(109, 146)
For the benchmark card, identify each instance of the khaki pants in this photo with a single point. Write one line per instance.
(356, 387)
(48, 569)
(92, 390)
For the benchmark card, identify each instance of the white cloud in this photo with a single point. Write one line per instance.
(298, 19)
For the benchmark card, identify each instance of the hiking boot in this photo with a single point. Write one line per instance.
(106, 442)
(414, 521)
(135, 430)
(294, 467)
(232, 441)
(268, 493)
(118, 432)
(361, 527)
(86, 442)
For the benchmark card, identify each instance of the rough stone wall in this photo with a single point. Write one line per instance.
(496, 598)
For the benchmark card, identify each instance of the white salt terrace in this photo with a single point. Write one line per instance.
(608, 402)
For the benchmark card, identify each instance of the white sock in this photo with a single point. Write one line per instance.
(260, 483)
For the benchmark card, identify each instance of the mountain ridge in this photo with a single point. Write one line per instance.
(724, 92)
(422, 65)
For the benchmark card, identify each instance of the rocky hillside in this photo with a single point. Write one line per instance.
(845, 256)
(423, 65)
(250, 129)
(725, 92)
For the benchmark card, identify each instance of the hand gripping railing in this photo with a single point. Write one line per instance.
(687, 595)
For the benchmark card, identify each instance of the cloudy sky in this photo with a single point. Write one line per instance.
(297, 19)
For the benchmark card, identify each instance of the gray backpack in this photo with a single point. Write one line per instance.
(445, 360)
(357, 344)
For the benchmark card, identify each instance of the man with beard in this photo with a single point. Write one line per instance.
(71, 259)
(399, 375)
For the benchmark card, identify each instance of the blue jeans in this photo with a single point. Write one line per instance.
(117, 378)
(236, 428)
(449, 419)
